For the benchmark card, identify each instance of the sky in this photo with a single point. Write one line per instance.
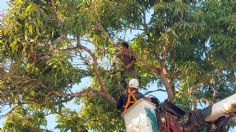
(3, 5)
(85, 82)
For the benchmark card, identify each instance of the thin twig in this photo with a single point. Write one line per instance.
(162, 90)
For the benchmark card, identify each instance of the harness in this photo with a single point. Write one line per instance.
(131, 94)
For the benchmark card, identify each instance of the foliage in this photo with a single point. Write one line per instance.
(25, 119)
(187, 47)
(70, 120)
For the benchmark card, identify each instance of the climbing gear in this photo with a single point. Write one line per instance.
(133, 83)
(131, 94)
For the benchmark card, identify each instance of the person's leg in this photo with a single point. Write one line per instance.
(123, 83)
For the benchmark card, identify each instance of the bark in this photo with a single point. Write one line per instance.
(167, 85)
(164, 74)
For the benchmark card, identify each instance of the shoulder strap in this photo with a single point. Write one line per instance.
(130, 95)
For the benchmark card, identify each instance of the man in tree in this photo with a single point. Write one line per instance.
(130, 98)
(127, 57)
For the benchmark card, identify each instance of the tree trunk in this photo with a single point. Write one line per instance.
(169, 90)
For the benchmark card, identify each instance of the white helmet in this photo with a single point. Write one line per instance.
(134, 83)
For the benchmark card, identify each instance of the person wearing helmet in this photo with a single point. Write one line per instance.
(131, 96)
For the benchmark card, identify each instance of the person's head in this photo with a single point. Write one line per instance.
(133, 83)
(123, 44)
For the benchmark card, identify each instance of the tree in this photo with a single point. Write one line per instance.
(188, 47)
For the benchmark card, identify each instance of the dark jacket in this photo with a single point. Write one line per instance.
(123, 99)
(127, 57)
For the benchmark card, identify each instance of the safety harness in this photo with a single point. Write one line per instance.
(131, 94)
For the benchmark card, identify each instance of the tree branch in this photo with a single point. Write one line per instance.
(55, 11)
(163, 73)
(144, 21)
(88, 92)
(99, 26)
(103, 89)
(162, 90)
